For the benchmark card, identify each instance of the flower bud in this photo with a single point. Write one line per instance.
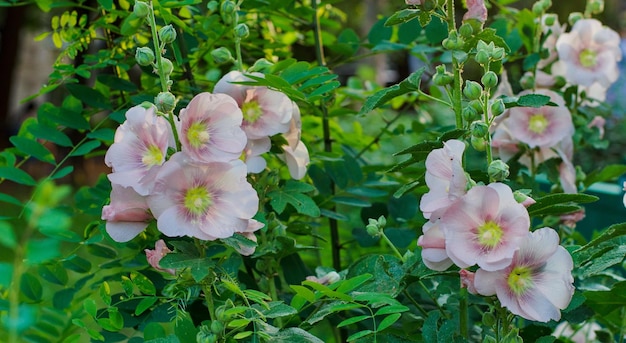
(479, 129)
(497, 53)
(595, 6)
(144, 56)
(497, 107)
(228, 10)
(217, 327)
(443, 79)
(382, 221)
(472, 90)
(221, 55)
(489, 80)
(538, 8)
(469, 114)
(167, 66)
(574, 17)
(478, 143)
(141, 9)
(372, 228)
(523, 198)
(527, 81)
(489, 319)
(498, 170)
(212, 6)
(242, 31)
(466, 30)
(167, 34)
(482, 57)
(477, 105)
(549, 19)
(261, 65)
(165, 102)
(454, 41)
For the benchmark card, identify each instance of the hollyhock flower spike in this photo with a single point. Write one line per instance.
(538, 283)
(266, 112)
(484, 227)
(154, 256)
(590, 52)
(139, 149)
(127, 215)
(210, 129)
(433, 244)
(445, 177)
(209, 201)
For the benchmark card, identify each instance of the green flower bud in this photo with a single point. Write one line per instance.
(469, 114)
(242, 31)
(479, 129)
(261, 65)
(489, 80)
(212, 6)
(595, 6)
(165, 102)
(497, 107)
(574, 17)
(372, 229)
(228, 10)
(523, 198)
(482, 57)
(217, 327)
(559, 81)
(261, 265)
(443, 79)
(472, 90)
(466, 30)
(477, 105)
(497, 53)
(382, 221)
(221, 55)
(478, 143)
(141, 9)
(454, 41)
(167, 66)
(549, 19)
(144, 56)
(538, 8)
(167, 34)
(498, 170)
(546, 3)
(527, 81)
(489, 319)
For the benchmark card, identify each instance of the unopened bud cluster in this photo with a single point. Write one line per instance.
(376, 226)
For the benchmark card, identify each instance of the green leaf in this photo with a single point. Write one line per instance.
(410, 84)
(391, 309)
(402, 16)
(105, 134)
(50, 134)
(388, 321)
(89, 96)
(86, 148)
(551, 200)
(533, 100)
(608, 173)
(54, 273)
(327, 291)
(145, 304)
(379, 32)
(599, 264)
(292, 194)
(609, 233)
(304, 292)
(10, 199)
(62, 172)
(117, 83)
(353, 283)
(7, 236)
(351, 201)
(144, 284)
(69, 117)
(31, 287)
(105, 293)
(77, 264)
(42, 250)
(199, 267)
(295, 335)
(279, 309)
(17, 176)
(106, 4)
(32, 148)
(359, 334)
(90, 307)
(6, 274)
(352, 320)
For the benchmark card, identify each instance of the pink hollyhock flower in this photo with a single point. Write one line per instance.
(266, 112)
(127, 215)
(445, 177)
(598, 122)
(327, 279)
(467, 280)
(570, 219)
(476, 10)
(253, 225)
(253, 151)
(154, 256)
(582, 333)
(139, 149)
(541, 127)
(484, 227)
(208, 201)
(296, 155)
(591, 52)
(538, 282)
(433, 244)
(210, 129)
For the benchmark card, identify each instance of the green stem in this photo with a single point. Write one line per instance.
(210, 304)
(486, 95)
(450, 14)
(463, 318)
(415, 303)
(271, 283)
(379, 135)
(158, 48)
(430, 97)
(457, 105)
(443, 313)
(392, 246)
(239, 61)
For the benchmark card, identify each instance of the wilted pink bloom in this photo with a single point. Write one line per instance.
(582, 333)
(624, 189)
(484, 227)
(570, 219)
(296, 155)
(590, 52)
(598, 122)
(210, 129)
(541, 127)
(253, 151)
(154, 256)
(253, 225)
(127, 215)
(266, 112)
(476, 10)
(327, 279)
(414, 2)
(538, 283)
(139, 149)
(433, 244)
(207, 201)
(467, 280)
(445, 177)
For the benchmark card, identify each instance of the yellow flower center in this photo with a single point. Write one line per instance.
(588, 58)
(197, 134)
(538, 123)
(489, 234)
(251, 111)
(197, 200)
(520, 280)
(152, 156)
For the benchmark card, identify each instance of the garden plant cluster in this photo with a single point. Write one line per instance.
(253, 191)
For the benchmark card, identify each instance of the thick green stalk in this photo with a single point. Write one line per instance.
(457, 105)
